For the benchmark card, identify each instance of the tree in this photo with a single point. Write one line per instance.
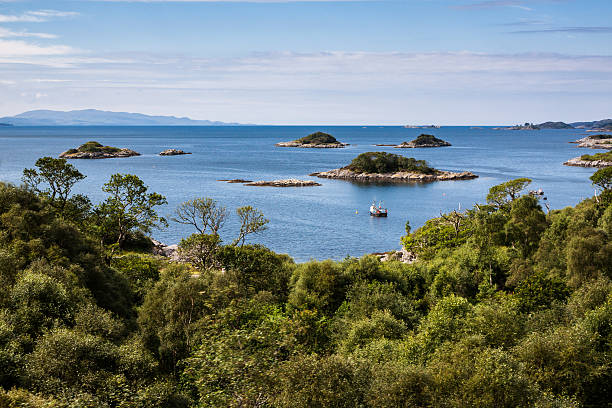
(602, 178)
(507, 192)
(130, 206)
(202, 214)
(57, 174)
(252, 222)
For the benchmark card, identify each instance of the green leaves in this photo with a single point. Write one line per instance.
(504, 193)
(57, 175)
(130, 206)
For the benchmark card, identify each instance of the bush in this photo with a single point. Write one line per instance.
(318, 138)
(382, 162)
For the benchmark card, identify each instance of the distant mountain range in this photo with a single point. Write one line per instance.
(94, 117)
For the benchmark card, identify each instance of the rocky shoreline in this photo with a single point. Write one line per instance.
(591, 142)
(398, 177)
(413, 145)
(579, 162)
(99, 155)
(284, 183)
(295, 143)
(173, 152)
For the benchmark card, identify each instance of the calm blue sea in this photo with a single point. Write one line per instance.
(330, 221)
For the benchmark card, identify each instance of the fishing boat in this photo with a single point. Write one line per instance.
(378, 210)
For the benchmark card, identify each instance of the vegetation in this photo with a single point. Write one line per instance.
(382, 162)
(424, 139)
(94, 147)
(607, 156)
(318, 138)
(600, 137)
(506, 306)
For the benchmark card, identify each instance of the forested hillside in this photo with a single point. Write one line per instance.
(507, 305)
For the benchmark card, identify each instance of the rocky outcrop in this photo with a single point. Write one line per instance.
(296, 143)
(99, 155)
(168, 251)
(526, 126)
(403, 256)
(579, 162)
(595, 142)
(399, 177)
(284, 183)
(242, 181)
(173, 152)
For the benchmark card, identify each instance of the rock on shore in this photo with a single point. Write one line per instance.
(399, 177)
(284, 183)
(173, 152)
(236, 181)
(578, 162)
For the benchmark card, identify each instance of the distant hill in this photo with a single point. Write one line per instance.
(599, 124)
(94, 117)
(555, 125)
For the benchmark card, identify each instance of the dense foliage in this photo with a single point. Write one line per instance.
(606, 156)
(93, 147)
(383, 162)
(506, 306)
(424, 139)
(318, 138)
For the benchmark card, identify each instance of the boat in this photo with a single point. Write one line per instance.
(378, 210)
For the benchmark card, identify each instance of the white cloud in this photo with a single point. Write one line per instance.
(336, 87)
(5, 33)
(17, 48)
(36, 16)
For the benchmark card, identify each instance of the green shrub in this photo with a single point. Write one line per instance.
(318, 138)
(382, 162)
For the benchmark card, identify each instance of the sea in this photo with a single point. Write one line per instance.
(325, 222)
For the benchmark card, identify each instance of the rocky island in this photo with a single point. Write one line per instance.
(595, 160)
(423, 141)
(95, 150)
(284, 183)
(173, 152)
(595, 142)
(388, 167)
(526, 126)
(317, 140)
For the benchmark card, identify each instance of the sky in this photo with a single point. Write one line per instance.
(281, 62)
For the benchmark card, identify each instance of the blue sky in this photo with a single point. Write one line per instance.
(312, 62)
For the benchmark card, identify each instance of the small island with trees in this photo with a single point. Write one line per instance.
(317, 140)
(601, 141)
(95, 150)
(389, 167)
(591, 160)
(423, 140)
